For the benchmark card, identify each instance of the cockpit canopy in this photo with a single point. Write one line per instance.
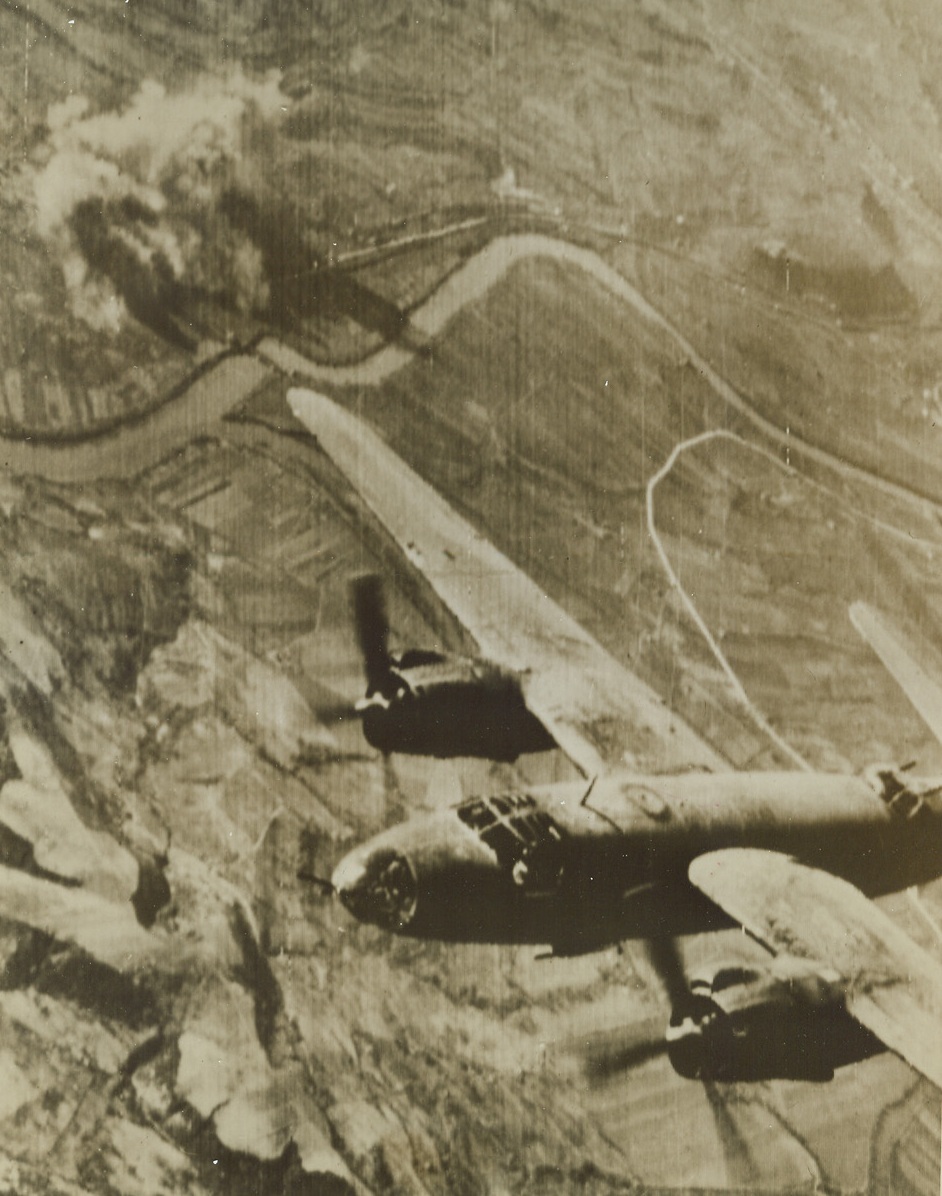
(525, 839)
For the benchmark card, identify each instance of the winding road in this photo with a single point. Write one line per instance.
(143, 442)
(736, 685)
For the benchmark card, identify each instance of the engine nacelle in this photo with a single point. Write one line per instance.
(786, 1020)
(426, 703)
(431, 705)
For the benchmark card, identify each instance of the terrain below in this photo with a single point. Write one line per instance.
(651, 297)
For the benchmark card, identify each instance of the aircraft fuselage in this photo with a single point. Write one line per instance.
(581, 867)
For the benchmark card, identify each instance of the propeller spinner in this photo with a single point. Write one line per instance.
(372, 627)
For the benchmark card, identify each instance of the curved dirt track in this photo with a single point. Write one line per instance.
(475, 278)
(125, 451)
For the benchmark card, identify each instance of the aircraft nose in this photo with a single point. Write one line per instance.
(377, 886)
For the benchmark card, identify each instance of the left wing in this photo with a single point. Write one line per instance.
(593, 707)
(893, 986)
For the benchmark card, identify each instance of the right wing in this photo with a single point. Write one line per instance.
(892, 986)
(593, 707)
(899, 658)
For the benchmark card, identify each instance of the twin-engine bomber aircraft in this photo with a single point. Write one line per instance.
(790, 856)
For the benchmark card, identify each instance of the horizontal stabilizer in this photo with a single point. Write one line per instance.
(901, 660)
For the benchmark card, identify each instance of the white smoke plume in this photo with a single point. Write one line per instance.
(146, 178)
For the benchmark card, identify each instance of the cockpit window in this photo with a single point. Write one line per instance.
(524, 838)
(477, 814)
(531, 827)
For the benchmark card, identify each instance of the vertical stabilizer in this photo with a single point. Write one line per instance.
(901, 660)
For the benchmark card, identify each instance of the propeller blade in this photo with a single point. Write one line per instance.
(664, 955)
(741, 1164)
(614, 1053)
(372, 626)
(605, 1063)
(606, 1059)
(338, 712)
(320, 882)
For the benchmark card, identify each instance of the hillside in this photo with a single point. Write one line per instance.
(203, 204)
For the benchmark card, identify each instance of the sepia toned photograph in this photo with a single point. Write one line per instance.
(470, 598)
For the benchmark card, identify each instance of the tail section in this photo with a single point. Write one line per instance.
(902, 661)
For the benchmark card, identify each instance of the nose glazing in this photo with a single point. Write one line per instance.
(379, 887)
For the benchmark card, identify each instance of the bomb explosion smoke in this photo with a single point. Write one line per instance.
(130, 200)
